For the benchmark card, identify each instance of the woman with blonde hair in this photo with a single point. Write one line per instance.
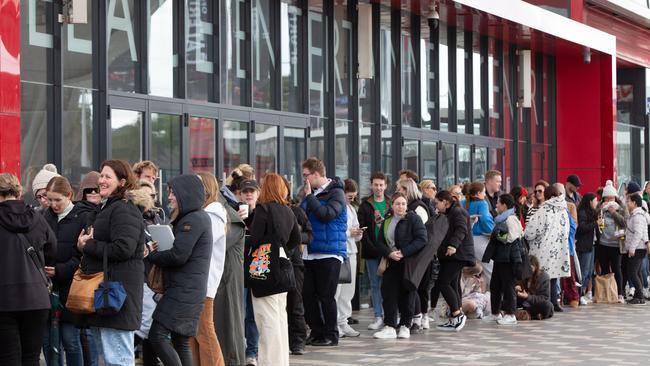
(274, 223)
(205, 345)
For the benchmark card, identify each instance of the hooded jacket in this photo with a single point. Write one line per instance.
(458, 236)
(613, 223)
(186, 265)
(505, 241)
(636, 233)
(21, 285)
(218, 220)
(367, 218)
(547, 233)
(328, 216)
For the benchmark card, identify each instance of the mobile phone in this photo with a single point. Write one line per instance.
(364, 228)
(88, 230)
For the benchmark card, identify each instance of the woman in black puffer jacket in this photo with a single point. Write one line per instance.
(185, 272)
(118, 230)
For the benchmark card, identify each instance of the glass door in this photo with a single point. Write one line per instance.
(295, 147)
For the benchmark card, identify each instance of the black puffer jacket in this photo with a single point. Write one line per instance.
(410, 236)
(118, 228)
(21, 285)
(68, 256)
(587, 231)
(187, 264)
(459, 236)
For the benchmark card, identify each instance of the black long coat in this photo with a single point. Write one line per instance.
(459, 236)
(187, 264)
(118, 227)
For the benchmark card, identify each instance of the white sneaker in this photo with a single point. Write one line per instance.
(417, 319)
(631, 291)
(404, 333)
(508, 319)
(492, 317)
(386, 333)
(251, 361)
(589, 297)
(377, 324)
(583, 300)
(646, 292)
(348, 331)
(621, 299)
(425, 322)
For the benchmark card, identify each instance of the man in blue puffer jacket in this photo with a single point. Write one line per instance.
(324, 204)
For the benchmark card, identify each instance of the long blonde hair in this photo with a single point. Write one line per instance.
(211, 187)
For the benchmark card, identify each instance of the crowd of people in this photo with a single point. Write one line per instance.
(255, 274)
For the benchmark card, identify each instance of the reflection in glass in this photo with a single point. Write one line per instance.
(430, 161)
(408, 70)
(36, 40)
(317, 137)
(233, 18)
(126, 135)
(343, 60)
(235, 145)
(294, 155)
(366, 159)
(166, 145)
(77, 133)
(443, 79)
(495, 159)
(161, 51)
(316, 45)
(460, 81)
(387, 151)
(411, 155)
(342, 146)
(200, 33)
(263, 53)
(477, 61)
(493, 89)
(202, 145)
(448, 168)
(33, 132)
(427, 74)
(464, 164)
(266, 149)
(77, 48)
(291, 38)
(387, 58)
(121, 36)
(480, 163)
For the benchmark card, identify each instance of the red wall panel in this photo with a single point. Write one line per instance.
(10, 86)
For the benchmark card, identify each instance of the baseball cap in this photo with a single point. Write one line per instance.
(249, 184)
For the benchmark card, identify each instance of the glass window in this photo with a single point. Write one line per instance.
(263, 54)
(266, 149)
(448, 168)
(317, 138)
(294, 155)
(496, 159)
(443, 77)
(343, 60)
(77, 133)
(200, 52)
(387, 151)
(126, 135)
(427, 74)
(291, 40)
(387, 57)
(316, 45)
(430, 161)
(366, 148)
(342, 149)
(460, 80)
(235, 145)
(477, 101)
(408, 70)
(161, 47)
(77, 45)
(464, 164)
(33, 132)
(36, 40)
(166, 145)
(234, 52)
(122, 34)
(411, 155)
(202, 145)
(480, 163)
(494, 97)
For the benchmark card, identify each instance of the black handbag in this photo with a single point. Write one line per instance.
(345, 275)
(269, 271)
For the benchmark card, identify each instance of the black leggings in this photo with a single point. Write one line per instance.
(502, 288)
(395, 296)
(21, 336)
(177, 355)
(448, 283)
(421, 303)
(634, 272)
(609, 259)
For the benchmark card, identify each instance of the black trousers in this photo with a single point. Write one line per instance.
(609, 259)
(423, 295)
(321, 279)
(176, 353)
(21, 336)
(449, 283)
(296, 312)
(395, 296)
(634, 272)
(502, 288)
(148, 353)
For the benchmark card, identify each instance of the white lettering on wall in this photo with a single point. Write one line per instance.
(314, 53)
(37, 38)
(197, 39)
(261, 31)
(114, 22)
(337, 34)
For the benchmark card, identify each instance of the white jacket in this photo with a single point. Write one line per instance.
(218, 217)
(353, 221)
(547, 232)
(636, 232)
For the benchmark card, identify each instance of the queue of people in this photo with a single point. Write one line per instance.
(254, 274)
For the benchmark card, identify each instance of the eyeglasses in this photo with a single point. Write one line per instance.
(91, 191)
(539, 191)
(41, 197)
(305, 175)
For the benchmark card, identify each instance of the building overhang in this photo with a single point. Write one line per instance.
(628, 9)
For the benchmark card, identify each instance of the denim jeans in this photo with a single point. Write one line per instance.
(89, 347)
(69, 342)
(586, 260)
(250, 327)
(115, 346)
(375, 286)
(644, 272)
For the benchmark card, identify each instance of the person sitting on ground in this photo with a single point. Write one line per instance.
(475, 302)
(535, 294)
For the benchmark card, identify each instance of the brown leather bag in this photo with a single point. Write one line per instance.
(155, 280)
(81, 298)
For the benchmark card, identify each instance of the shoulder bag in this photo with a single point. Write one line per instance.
(31, 253)
(345, 275)
(109, 295)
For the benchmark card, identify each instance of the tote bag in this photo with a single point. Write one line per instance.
(606, 290)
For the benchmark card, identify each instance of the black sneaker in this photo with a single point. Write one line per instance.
(636, 301)
(352, 320)
(459, 322)
(415, 329)
(557, 308)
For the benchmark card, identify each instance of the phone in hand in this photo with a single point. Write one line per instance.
(364, 228)
(88, 230)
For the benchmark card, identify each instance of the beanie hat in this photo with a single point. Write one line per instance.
(43, 177)
(90, 180)
(633, 187)
(609, 190)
